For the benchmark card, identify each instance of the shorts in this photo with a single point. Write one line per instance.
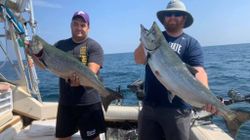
(161, 123)
(89, 120)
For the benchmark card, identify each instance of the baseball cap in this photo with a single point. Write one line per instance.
(82, 15)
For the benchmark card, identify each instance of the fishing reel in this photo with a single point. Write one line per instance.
(235, 96)
(137, 87)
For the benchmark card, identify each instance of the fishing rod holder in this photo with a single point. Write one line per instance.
(138, 88)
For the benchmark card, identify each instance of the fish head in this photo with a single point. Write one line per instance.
(151, 38)
(36, 46)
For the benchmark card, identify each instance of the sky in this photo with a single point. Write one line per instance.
(115, 24)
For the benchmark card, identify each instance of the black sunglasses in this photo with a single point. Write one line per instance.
(176, 14)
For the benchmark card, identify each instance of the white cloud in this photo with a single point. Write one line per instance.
(44, 3)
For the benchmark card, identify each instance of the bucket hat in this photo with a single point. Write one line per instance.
(176, 6)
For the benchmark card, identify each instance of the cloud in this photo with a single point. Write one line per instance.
(47, 4)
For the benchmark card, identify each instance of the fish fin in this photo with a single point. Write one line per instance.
(235, 123)
(113, 95)
(191, 69)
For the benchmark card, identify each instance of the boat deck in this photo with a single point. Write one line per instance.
(45, 129)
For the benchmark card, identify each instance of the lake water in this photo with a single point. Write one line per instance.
(227, 66)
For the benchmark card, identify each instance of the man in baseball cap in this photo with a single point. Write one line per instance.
(80, 107)
(79, 26)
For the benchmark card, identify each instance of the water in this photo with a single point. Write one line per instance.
(227, 67)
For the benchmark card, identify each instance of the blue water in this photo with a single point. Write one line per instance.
(227, 66)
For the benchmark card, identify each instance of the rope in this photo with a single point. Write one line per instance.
(6, 57)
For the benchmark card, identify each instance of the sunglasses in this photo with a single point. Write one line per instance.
(176, 14)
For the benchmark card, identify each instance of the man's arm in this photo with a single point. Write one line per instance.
(139, 55)
(201, 75)
(94, 67)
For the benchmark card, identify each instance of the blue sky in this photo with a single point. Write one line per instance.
(115, 24)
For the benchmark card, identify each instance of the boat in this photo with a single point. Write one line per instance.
(23, 114)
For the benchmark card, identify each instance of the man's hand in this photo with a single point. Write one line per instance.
(73, 80)
(210, 108)
(139, 55)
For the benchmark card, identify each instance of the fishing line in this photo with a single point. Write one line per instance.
(6, 57)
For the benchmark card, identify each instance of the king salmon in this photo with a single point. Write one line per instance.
(64, 65)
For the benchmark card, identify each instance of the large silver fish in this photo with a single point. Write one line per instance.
(177, 78)
(64, 65)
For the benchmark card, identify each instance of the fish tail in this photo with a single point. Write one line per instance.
(113, 95)
(234, 124)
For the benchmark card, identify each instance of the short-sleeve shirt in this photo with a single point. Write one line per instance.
(88, 51)
(190, 52)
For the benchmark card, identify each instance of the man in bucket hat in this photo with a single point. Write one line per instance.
(160, 118)
(80, 107)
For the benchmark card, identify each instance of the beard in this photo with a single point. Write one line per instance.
(174, 26)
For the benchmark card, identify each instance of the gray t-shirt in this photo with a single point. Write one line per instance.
(87, 51)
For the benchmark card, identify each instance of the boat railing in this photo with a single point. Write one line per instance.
(15, 26)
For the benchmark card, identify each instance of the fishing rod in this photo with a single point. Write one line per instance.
(10, 16)
(235, 96)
